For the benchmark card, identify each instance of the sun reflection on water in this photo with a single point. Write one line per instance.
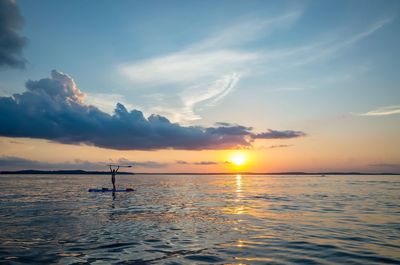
(238, 184)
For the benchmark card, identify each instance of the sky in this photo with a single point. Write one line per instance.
(190, 86)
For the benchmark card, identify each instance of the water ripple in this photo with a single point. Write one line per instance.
(201, 220)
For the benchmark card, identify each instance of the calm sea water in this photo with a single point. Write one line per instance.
(200, 220)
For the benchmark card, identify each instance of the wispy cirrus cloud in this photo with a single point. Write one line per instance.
(325, 47)
(208, 94)
(186, 67)
(208, 70)
(247, 30)
(383, 111)
(209, 58)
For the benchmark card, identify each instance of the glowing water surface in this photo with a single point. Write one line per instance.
(200, 220)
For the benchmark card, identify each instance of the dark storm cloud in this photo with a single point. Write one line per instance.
(54, 109)
(273, 134)
(11, 43)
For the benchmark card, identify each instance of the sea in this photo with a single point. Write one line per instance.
(200, 219)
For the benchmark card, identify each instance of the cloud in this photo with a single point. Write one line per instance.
(59, 88)
(278, 146)
(210, 93)
(184, 67)
(205, 163)
(391, 167)
(18, 163)
(383, 111)
(200, 163)
(315, 52)
(182, 162)
(106, 102)
(274, 134)
(201, 95)
(54, 109)
(211, 57)
(370, 30)
(249, 30)
(387, 165)
(145, 164)
(205, 71)
(11, 43)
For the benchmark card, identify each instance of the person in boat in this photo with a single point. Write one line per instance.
(113, 173)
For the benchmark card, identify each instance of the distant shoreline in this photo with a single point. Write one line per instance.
(61, 172)
(84, 172)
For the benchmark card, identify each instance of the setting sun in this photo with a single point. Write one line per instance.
(238, 159)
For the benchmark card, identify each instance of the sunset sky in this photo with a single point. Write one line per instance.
(200, 86)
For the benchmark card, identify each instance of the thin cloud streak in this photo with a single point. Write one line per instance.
(387, 165)
(383, 111)
(327, 50)
(273, 134)
(248, 30)
(279, 146)
(205, 163)
(199, 163)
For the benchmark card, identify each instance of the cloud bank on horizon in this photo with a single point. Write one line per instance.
(54, 109)
(11, 43)
(12, 163)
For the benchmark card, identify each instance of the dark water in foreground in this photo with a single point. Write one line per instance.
(200, 220)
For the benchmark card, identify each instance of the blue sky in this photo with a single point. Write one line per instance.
(299, 65)
(319, 47)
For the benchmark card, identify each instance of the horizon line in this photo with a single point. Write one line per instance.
(88, 172)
